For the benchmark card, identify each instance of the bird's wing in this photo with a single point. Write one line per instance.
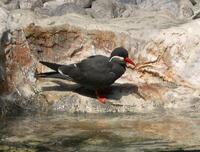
(93, 71)
(96, 69)
(96, 64)
(69, 71)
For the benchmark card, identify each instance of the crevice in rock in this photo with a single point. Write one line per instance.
(193, 2)
(196, 16)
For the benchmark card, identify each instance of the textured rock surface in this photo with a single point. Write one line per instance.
(68, 8)
(3, 28)
(179, 8)
(84, 3)
(3, 19)
(166, 50)
(107, 9)
(30, 4)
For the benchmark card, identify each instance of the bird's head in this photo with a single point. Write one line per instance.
(121, 54)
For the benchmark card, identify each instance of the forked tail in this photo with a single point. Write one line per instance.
(50, 65)
(53, 74)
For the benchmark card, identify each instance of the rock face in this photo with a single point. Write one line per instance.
(68, 8)
(178, 8)
(164, 45)
(3, 28)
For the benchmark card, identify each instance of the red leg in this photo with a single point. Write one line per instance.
(101, 97)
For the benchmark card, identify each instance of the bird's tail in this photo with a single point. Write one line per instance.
(50, 65)
(53, 74)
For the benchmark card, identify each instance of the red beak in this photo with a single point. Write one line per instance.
(128, 60)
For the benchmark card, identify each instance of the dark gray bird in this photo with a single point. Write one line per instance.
(96, 72)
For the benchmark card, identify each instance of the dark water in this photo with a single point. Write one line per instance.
(101, 133)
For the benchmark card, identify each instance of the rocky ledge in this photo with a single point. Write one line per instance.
(163, 38)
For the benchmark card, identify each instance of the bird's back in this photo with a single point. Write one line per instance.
(93, 72)
(97, 64)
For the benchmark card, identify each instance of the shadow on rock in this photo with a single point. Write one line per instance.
(116, 91)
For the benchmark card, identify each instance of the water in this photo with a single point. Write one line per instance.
(101, 132)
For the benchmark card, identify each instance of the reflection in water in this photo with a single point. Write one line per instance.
(103, 133)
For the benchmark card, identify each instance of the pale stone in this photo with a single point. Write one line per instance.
(180, 8)
(30, 4)
(168, 46)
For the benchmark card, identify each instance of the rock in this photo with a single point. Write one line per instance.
(18, 19)
(2, 5)
(53, 4)
(132, 11)
(128, 1)
(158, 42)
(3, 20)
(102, 9)
(13, 4)
(81, 3)
(5, 1)
(139, 1)
(118, 8)
(30, 4)
(193, 2)
(68, 8)
(135, 2)
(43, 11)
(23, 4)
(49, 7)
(3, 28)
(196, 9)
(196, 16)
(84, 3)
(106, 9)
(186, 9)
(176, 8)
(60, 9)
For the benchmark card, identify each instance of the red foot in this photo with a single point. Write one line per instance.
(101, 98)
